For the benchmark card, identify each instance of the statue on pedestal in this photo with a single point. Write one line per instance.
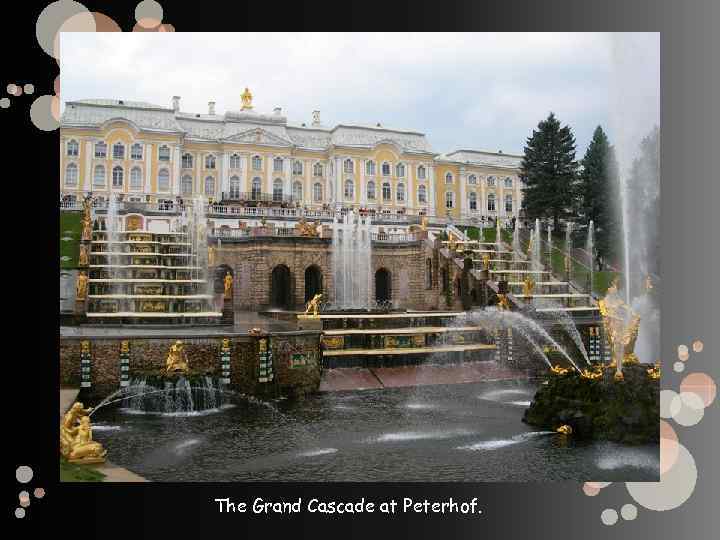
(83, 449)
(81, 287)
(486, 261)
(621, 325)
(176, 361)
(228, 283)
(83, 257)
(528, 286)
(211, 255)
(86, 228)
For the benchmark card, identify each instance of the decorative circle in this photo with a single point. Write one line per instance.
(43, 115)
(23, 474)
(598, 485)
(148, 9)
(679, 367)
(11, 88)
(29, 88)
(39, 493)
(674, 487)
(80, 22)
(4, 103)
(687, 408)
(668, 447)
(24, 498)
(698, 345)
(609, 516)
(701, 384)
(628, 512)
(682, 351)
(590, 491)
(19, 513)
(666, 397)
(51, 19)
(103, 23)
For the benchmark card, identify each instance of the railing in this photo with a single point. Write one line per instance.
(224, 233)
(256, 196)
(386, 238)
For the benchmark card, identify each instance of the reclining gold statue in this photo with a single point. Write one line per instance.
(76, 443)
(314, 305)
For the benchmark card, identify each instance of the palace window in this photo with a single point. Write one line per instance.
(386, 191)
(449, 199)
(490, 180)
(73, 148)
(257, 163)
(317, 192)
(317, 169)
(210, 162)
(277, 164)
(234, 187)
(472, 179)
(117, 177)
(297, 191)
(370, 168)
(508, 203)
(164, 180)
(421, 172)
(422, 194)
(508, 182)
(348, 166)
(187, 161)
(349, 189)
(164, 153)
(71, 175)
(297, 167)
(449, 178)
(371, 190)
(473, 201)
(491, 202)
(118, 151)
(186, 185)
(136, 182)
(209, 186)
(277, 190)
(234, 161)
(99, 176)
(100, 150)
(136, 151)
(400, 170)
(386, 169)
(256, 189)
(401, 192)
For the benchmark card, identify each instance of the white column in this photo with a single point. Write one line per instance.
(431, 189)
(244, 172)
(86, 183)
(223, 185)
(462, 185)
(175, 178)
(339, 194)
(148, 168)
(288, 177)
(483, 197)
(409, 192)
(197, 175)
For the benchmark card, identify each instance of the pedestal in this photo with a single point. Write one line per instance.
(228, 313)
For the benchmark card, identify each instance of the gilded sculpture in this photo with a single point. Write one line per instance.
(503, 302)
(486, 261)
(621, 325)
(306, 229)
(83, 257)
(314, 305)
(211, 255)
(86, 228)
(246, 98)
(228, 282)
(528, 286)
(76, 443)
(176, 361)
(81, 287)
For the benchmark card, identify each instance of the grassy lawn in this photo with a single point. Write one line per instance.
(70, 472)
(70, 227)
(601, 280)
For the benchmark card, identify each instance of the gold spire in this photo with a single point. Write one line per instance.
(246, 98)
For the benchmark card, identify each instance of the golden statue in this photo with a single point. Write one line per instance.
(592, 375)
(649, 283)
(211, 255)
(124, 346)
(83, 449)
(424, 223)
(558, 370)
(654, 372)
(246, 98)
(486, 261)
(68, 426)
(564, 430)
(83, 257)
(86, 228)
(621, 325)
(81, 287)
(225, 344)
(528, 286)
(452, 244)
(176, 359)
(503, 302)
(567, 264)
(228, 282)
(314, 305)
(306, 229)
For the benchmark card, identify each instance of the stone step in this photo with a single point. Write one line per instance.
(409, 350)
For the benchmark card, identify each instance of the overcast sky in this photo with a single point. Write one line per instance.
(464, 90)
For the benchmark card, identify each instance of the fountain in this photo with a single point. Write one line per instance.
(351, 259)
(516, 238)
(590, 249)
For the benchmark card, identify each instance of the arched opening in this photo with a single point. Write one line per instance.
(313, 282)
(383, 286)
(280, 296)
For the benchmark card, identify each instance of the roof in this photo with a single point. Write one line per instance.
(483, 158)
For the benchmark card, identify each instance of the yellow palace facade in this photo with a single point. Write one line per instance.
(150, 153)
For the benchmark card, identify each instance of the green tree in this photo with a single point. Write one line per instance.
(549, 171)
(598, 195)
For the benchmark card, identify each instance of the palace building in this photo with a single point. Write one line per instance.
(150, 153)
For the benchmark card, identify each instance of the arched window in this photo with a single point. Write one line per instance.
(118, 151)
(317, 169)
(210, 162)
(422, 194)
(257, 163)
(508, 203)
(234, 187)
(100, 150)
(349, 189)
(136, 182)
(71, 175)
(449, 199)
(508, 182)
(370, 168)
(234, 161)
(136, 151)
(277, 190)
(421, 172)
(400, 170)
(348, 166)
(187, 161)
(297, 191)
(449, 178)
(186, 185)
(297, 167)
(490, 180)
(117, 177)
(472, 201)
(99, 176)
(472, 179)
(164, 153)
(371, 190)
(491, 202)
(400, 192)
(209, 186)
(164, 180)
(386, 169)
(386, 191)
(73, 148)
(256, 189)
(317, 192)
(278, 164)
